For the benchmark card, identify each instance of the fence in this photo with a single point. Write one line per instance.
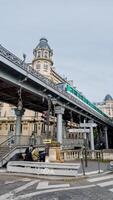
(105, 154)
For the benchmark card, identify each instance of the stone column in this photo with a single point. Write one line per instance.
(106, 137)
(92, 139)
(59, 111)
(19, 114)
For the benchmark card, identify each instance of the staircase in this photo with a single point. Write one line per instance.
(3, 151)
(10, 148)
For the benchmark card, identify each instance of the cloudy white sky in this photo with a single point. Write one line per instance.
(80, 32)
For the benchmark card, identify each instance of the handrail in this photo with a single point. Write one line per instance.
(6, 140)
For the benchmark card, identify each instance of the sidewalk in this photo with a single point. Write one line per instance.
(92, 167)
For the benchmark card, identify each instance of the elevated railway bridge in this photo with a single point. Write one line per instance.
(37, 91)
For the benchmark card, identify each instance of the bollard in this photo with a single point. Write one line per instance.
(98, 161)
(83, 168)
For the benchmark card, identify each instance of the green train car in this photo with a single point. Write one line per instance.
(78, 95)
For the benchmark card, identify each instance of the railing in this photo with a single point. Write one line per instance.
(91, 155)
(14, 59)
(20, 140)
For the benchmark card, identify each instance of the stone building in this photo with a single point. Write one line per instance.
(107, 105)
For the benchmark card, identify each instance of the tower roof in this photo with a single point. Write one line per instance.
(108, 97)
(43, 44)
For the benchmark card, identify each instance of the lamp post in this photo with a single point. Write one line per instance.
(19, 111)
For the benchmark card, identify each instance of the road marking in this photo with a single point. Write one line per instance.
(23, 187)
(100, 178)
(111, 190)
(14, 181)
(52, 190)
(25, 179)
(10, 195)
(89, 173)
(9, 182)
(107, 183)
(44, 185)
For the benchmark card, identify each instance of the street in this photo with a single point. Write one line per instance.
(98, 187)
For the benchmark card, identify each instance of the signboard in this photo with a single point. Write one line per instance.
(88, 124)
(47, 141)
(78, 130)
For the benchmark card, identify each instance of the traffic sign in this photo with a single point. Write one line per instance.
(73, 130)
(47, 141)
(88, 124)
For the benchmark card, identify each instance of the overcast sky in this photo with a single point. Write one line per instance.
(80, 32)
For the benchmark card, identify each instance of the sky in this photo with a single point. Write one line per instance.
(80, 32)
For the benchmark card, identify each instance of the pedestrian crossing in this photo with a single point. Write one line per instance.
(37, 187)
(103, 181)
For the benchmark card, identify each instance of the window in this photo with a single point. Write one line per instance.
(46, 54)
(35, 128)
(12, 112)
(25, 127)
(38, 66)
(45, 67)
(11, 127)
(0, 126)
(39, 54)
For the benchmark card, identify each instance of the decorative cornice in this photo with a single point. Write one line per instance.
(44, 59)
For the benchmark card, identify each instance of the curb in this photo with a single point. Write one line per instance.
(55, 178)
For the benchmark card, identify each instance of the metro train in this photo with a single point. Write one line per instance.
(75, 93)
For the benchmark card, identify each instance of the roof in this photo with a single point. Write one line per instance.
(108, 97)
(43, 44)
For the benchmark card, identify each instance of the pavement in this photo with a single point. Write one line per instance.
(93, 168)
(92, 186)
(96, 187)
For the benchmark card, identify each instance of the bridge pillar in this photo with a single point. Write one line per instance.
(19, 114)
(92, 139)
(59, 111)
(106, 138)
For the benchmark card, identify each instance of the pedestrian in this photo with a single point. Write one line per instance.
(35, 154)
(28, 153)
(42, 156)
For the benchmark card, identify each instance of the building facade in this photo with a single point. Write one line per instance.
(106, 106)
